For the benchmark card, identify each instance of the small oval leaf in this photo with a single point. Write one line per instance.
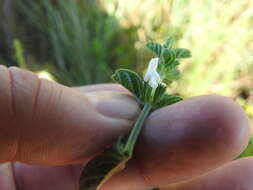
(155, 47)
(103, 166)
(130, 80)
(168, 43)
(146, 93)
(160, 90)
(167, 100)
(169, 56)
(182, 53)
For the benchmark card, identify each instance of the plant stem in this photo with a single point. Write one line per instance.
(137, 128)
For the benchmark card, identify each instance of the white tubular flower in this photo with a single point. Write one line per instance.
(152, 76)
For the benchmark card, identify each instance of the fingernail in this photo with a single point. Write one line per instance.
(114, 104)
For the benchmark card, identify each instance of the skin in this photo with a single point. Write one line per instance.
(48, 132)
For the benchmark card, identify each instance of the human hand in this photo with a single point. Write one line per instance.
(54, 129)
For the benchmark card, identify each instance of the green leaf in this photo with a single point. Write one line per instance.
(168, 43)
(146, 93)
(174, 64)
(160, 90)
(169, 56)
(102, 167)
(155, 47)
(182, 53)
(130, 80)
(171, 75)
(167, 100)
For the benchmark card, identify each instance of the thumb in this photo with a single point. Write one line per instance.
(42, 122)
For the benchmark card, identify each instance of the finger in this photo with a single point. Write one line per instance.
(19, 176)
(42, 122)
(29, 177)
(102, 87)
(233, 176)
(185, 140)
(7, 179)
(132, 177)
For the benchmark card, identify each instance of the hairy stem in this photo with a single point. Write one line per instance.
(137, 128)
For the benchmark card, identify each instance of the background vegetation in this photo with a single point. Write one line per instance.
(82, 41)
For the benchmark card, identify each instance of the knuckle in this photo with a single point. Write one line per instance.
(24, 88)
(8, 122)
(5, 95)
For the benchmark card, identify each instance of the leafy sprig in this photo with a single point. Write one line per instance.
(169, 59)
(150, 92)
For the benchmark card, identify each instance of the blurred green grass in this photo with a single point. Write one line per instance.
(82, 42)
